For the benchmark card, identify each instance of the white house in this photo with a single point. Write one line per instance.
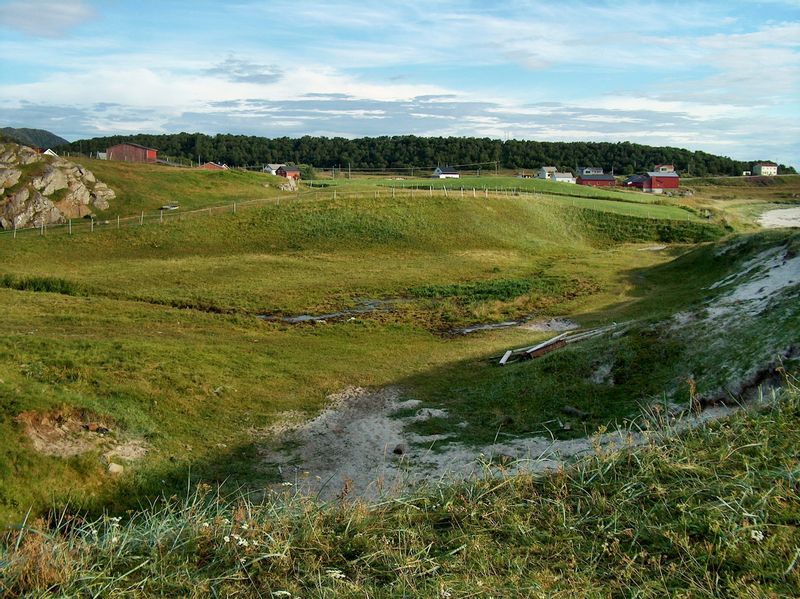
(765, 169)
(563, 177)
(546, 172)
(445, 172)
(590, 170)
(272, 169)
(664, 168)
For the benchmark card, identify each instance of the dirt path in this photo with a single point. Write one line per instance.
(359, 447)
(782, 217)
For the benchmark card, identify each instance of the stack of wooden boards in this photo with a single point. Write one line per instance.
(557, 342)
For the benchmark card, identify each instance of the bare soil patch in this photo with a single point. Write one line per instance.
(66, 433)
(782, 217)
(358, 447)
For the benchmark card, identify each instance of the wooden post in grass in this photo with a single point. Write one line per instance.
(473, 193)
(431, 190)
(41, 229)
(70, 226)
(91, 224)
(141, 219)
(445, 190)
(234, 207)
(15, 228)
(117, 221)
(161, 216)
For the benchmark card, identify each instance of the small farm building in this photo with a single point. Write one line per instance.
(213, 166)
(563, 177)
(445, 172)
(289, 172)
(272, 169)
(130, 152)
(765, 169)
(597, 180)
(546, 172)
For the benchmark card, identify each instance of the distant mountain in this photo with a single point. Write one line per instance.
(38, 138)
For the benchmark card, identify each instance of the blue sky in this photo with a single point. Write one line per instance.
(723, 77)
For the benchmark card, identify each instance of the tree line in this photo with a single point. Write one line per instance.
(410, 151)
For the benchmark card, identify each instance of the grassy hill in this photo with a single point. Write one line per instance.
(153, 332)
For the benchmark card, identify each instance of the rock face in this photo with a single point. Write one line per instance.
(43, 190)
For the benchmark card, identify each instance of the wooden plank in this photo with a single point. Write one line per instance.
(505, 357)
(545, 343)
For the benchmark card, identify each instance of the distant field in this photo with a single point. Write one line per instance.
(146, 187)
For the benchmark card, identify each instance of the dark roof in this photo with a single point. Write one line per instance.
(764, 164)
(636, 178)
(597, 178)
(447, 170)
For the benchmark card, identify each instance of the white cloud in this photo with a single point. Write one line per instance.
(44, 18)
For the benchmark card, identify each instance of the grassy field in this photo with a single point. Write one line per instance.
(146, 187)
(713, 513)
(154, 329)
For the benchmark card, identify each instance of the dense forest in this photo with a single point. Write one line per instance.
(424, 153)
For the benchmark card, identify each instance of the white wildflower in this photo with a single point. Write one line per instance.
(226, 538)
(287, 484)
(206, 525)
(756, 535)
(243, 543)
(242, 560)
(335, 573)
(281, 594)
(244, 526)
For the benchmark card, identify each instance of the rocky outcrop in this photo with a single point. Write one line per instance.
(43, 190)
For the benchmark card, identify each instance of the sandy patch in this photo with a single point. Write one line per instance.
(767, 275)
(782, 217)
(67, 433)
(358, 447)
(552, 325)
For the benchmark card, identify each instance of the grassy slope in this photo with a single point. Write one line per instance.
(154, 370)
(715, 513)
(144, 187)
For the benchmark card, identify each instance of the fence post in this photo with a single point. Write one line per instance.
(141, 219)
(118, 221)
(431, 190)
(41, 229)
(234, 207)
(92, 225)
(473, 193)
(70, 226)
(161, 216)
(15, 228)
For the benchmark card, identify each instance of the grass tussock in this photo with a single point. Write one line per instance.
(41, 284)
(714, 513)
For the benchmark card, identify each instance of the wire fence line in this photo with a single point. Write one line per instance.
(166, 216)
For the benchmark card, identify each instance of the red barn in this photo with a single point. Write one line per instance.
(597, 180)
(653, 182)
(290, 172)
(130, 152)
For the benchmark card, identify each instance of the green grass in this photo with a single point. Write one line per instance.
(154, 327)
(146, 187)
(713, 513)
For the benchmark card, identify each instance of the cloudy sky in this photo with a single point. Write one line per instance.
(721, 76)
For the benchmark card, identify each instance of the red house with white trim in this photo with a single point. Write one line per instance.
(130, 152)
